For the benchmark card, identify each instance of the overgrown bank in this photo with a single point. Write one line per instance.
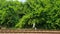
(42, 14)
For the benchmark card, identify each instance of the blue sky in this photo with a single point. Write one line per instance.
(22, 0)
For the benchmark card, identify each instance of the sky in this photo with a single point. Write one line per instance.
(19, 0)
(22, 0)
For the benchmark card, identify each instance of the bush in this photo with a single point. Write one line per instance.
(42, 14)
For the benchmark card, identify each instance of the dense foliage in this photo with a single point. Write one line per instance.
(45, 14)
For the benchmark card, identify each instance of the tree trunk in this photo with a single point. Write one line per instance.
(34, 26)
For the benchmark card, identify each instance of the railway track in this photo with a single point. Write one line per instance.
(26, 31)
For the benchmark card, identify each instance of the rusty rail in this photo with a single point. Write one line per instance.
(27, 31)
